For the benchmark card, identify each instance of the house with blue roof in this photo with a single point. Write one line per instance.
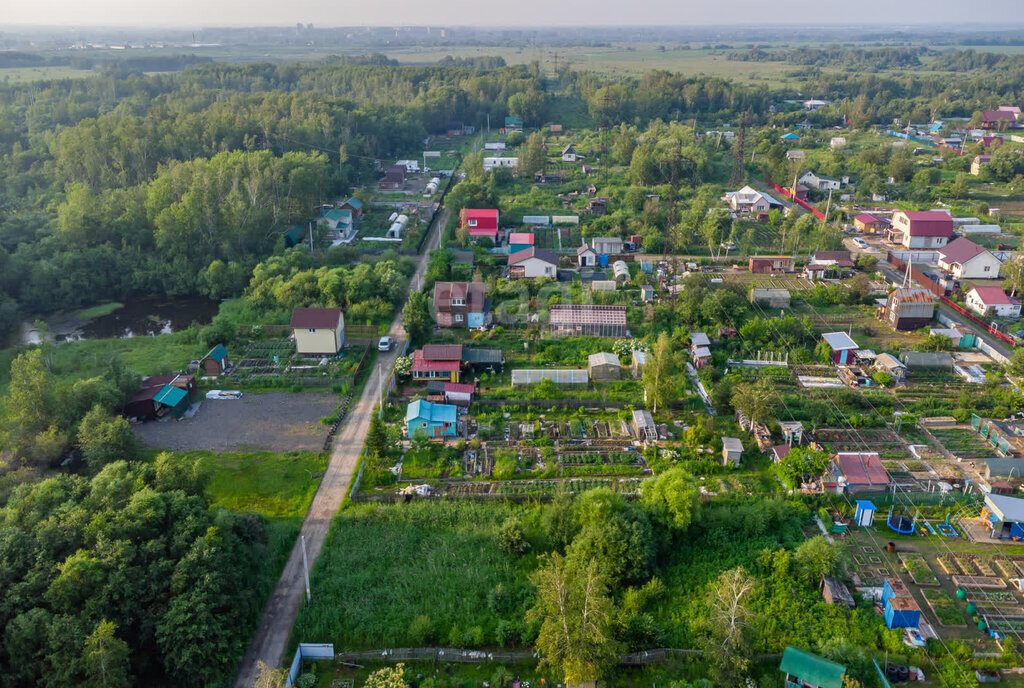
(433, 420)
(513, 124)
(216, 362)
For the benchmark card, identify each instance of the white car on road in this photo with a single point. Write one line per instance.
(385, 344)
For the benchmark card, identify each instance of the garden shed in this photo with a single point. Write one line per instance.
(771, 297)
(842, 346)
(604, 366)
(643, 425)
(836, 593)
(1004, 517)
(902, 612)
(865, 514)
(732, 450)
(216, 362)
(927, 359)
(640, 359)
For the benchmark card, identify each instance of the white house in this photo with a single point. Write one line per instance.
(814, 104)
(492, 163)
(749, 200)
(532, 262)
(837, 142)
(921, 229)
(967, 260)
(494, 145)
(586, 256)
(569, 154)
(819, 182)
(992, 301)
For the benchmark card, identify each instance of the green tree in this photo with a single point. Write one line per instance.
(512, 538)
(104, 438)
(959, 188)
(575, 613)
(416, 318)
(106, 658)
(532, 156)
(673, 496)
(31, 399)
(816, 558)
(756, 401)
(801, 463)
(376, 437)
(657, 375)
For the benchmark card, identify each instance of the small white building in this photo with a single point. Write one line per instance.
(586, 256)
(732, 450)
(569, 154)
(494, 145)
(532, 262)
(493, 163)
(837, 142)
(608, 246)
(967, 260)
(992, 302)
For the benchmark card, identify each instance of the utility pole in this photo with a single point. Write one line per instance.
(380, 384)
(305, 566)
(828, 205)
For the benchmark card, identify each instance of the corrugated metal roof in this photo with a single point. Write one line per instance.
(603, 358)
(699, 339)
(434, 413)
(305, 318)
(960, 251)
(862, 468)
(813, 669)
(839, 341)
(732, 444)
(440, 352)
(913, 295)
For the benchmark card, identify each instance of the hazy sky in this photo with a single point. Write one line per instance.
(200, 13)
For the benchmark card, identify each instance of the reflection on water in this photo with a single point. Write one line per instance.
(135, 319)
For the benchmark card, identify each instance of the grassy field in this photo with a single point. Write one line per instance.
(278, 486)
(409, 575)
(20, 75)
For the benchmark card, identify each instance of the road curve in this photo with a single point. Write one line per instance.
(282, 608)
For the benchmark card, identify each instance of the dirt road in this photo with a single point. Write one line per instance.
(283, 606)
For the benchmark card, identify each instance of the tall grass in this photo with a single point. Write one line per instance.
(412, 575)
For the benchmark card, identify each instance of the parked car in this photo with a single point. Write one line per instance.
(860, 242)
(385, 344)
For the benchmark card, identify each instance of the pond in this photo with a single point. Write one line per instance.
(133, 319)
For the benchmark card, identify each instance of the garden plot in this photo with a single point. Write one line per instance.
(920, 573)
(963, 443)
(272, 421)
(275, 361)
(878, 440)
(944, 607)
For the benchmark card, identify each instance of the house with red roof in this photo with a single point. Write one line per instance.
(992, 302)
(520, 241)
(854, 472)
(967, 260)
(921, 228)
(481, 222)
(437, 362)
(991, 141)
(999, 119)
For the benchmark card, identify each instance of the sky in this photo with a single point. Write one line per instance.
(534, 13)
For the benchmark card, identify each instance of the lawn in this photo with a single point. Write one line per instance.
(412, 575)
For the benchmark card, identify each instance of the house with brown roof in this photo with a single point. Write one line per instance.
(908, 308)
(532, 262)
(967, 260)
(999, 119)
(393, 179)
(921, 228)
(460, 304)
(437, 362)
(870, 224)
(767, 265)
(318, 331)
(854, 472)
(977, 162)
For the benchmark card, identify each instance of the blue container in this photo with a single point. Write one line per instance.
(602, 259)
(647, 267)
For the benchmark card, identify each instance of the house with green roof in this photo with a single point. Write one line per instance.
(171, 399)
(216, 362)
(336, 219)
(513, 124)
(355, 205)
(804, 670)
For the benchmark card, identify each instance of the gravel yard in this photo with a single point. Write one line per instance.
(274, 421)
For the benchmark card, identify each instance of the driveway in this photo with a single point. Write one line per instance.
(282, 608)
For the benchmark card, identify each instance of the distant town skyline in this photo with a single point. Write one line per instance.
(527, 13)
